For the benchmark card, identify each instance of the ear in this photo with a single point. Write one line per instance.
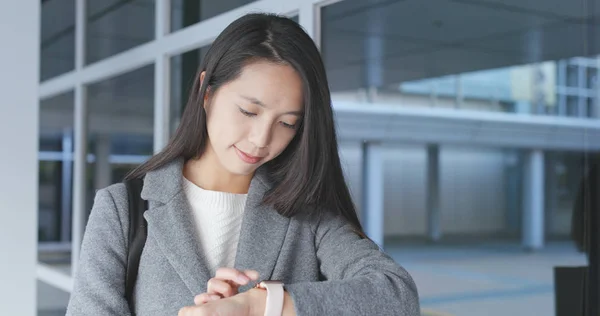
(202, 76)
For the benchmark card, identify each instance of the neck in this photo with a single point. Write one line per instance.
(207, 173)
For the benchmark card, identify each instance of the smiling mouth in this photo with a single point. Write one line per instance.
(247, 158)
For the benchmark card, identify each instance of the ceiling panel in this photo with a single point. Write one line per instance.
(558, 8)
(415, 39)
(442, 62)
(348, 47)
(555, 41)
(434, 21)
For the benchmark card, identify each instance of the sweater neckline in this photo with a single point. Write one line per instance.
(216, 200)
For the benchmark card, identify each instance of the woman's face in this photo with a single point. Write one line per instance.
(253, 118)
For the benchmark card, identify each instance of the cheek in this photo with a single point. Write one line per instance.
(225, 128)
(280, 143)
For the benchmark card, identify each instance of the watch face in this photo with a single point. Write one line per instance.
(272, 282)
(263, 284)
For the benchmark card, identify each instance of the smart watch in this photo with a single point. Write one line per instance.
(275, 292)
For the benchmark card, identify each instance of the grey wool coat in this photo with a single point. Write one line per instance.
(327, 269)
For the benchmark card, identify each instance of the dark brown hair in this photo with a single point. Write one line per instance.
(308, 172)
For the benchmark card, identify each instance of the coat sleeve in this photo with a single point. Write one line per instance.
(360, 278)
(99, 282)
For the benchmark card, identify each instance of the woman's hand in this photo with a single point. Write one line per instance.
(238, 305)
(225, 284)
(250, 303)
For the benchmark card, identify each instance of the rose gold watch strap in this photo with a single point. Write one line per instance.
(275, 293)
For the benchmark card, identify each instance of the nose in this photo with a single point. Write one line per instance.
(260, 135)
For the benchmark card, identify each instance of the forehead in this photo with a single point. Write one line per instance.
(275, 85)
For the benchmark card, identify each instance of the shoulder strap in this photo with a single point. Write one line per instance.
(137, 235)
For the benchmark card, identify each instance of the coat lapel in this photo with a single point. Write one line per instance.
(171, 224)
(262, 234)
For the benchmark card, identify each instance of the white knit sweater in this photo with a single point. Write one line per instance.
(218, 217)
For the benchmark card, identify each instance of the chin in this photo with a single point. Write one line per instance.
(242, 170)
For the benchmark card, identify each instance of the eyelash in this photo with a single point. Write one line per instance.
(250, 114)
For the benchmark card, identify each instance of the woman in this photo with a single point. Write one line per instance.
(250, 188)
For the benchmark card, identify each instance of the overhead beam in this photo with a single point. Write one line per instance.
(357, 122)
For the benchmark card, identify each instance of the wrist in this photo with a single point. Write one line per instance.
(256, 300)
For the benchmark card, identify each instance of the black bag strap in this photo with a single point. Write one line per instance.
(138, 231)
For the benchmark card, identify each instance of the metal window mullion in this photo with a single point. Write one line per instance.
(562, 82)
(324, 3)
(161, 102)
(161, 78)
(80, 136)
(66, 185)
(195, 36)
(308, 17)
(582, 96)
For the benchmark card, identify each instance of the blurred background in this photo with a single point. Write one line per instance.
(465, 126)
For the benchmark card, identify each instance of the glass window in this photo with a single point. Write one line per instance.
(188, 12)
(183, 71)
(114, 26)
(471, 57)
(50, 300)
(55, 168)
(57, 47)
(510, 56)
(121, 120)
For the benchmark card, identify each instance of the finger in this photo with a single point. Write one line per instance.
(205, 297)
(239, 277)
(252, 274)
(186, 311)
(221, 287)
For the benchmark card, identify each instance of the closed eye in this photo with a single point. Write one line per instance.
(249, 114)
(290, 126)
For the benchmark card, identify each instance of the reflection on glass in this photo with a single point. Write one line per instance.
(183, 71)
(404, 53)
(489, 197)
(114, 26)
(57, 47)
(120, 136)
(188, 12)
(55, 168)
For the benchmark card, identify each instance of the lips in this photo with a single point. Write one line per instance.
(246, 157)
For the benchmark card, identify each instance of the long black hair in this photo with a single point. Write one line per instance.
(308, 172)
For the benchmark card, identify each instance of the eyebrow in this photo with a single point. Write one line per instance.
(261, 104)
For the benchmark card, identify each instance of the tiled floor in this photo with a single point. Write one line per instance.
(493, 279)
(484, 279)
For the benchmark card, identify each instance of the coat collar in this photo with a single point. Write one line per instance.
(171, 224)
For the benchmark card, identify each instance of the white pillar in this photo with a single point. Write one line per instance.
(533, 199)
(372, 192)
(19, 64)
(102, 170)
(433, 193)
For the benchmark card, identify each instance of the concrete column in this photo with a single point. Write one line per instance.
(102, 170)
(533, 199)
(19, 112)
(373, 49)
(514, 191)
(372, 192)
(434, 216)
